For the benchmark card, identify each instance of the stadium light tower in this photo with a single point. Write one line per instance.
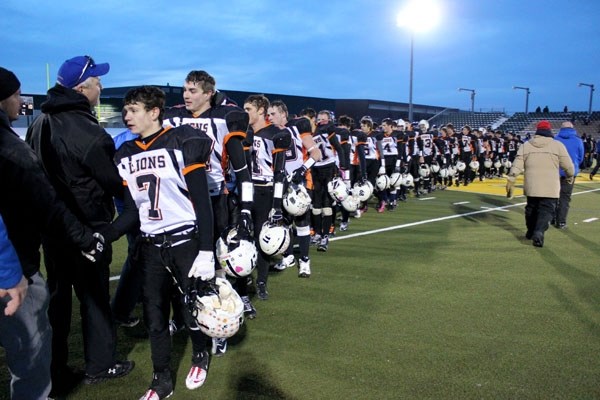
(417, 16)
(527, 92)
(591, 86)
(472, 97)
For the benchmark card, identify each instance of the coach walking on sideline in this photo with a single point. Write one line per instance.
(77, 155)
(539, 159)
(574, 145)
(28, 206)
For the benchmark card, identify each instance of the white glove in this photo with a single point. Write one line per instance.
(381, 170)
(203, 266)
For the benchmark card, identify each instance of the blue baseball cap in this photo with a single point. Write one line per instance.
(77, 69)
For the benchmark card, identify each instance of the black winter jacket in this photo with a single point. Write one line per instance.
(29, 204)
(77, 154)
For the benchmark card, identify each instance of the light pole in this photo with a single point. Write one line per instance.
(417, 16)
(527, 92)
(591, 86)
(472, 97)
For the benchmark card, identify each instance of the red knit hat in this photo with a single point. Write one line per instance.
(543, 126)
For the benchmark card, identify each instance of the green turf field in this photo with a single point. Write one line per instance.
(442, 299)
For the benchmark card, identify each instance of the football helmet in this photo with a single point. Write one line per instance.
(508, 164)
(396, 180)
(424, 170)
(474, 165)
(351, 203)
(363, 190)
(216, 307)
(505, 162)
(424, 124)
(408, 180)
(337, 189)
(444, 172)
(488, 163)
(460, 165)
(274, 239)
(296, 200)
(451, 171)
(435, 167)
(497, 164)
(236, 255)
(382, 182)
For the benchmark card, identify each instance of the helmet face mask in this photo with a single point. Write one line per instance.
(424, 170)
(461, 166)
(216, 307)
(351, 203)
(296, 200)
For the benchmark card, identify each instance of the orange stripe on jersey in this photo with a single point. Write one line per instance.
(275, 151)
(233, 134)
(302, 135)
(309, 181)
(193, 167)
(147, 145)
(125, 183)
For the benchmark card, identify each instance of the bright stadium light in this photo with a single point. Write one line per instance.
(417, 16)
(591, 86)
(527, 93)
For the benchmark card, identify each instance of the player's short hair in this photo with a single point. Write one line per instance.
(309, 112)
(390, 122)
(203, 79)
(149, 96)
(345, 121)
(281, 105)
(259, 101)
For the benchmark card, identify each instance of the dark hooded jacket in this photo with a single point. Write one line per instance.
(29, 204)
(77, 154)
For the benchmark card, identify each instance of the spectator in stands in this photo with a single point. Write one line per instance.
(567, 136)
(539, 159)
(545, 110)
(538, 109)
(566, 109)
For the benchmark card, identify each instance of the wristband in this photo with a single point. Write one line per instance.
(247, 192)
(278, 190)
(309, 163)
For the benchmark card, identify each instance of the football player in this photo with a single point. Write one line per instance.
(164, 172)
(299, 159)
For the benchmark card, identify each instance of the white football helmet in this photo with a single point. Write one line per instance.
(274, 239)
(497, 164)
(351, 203)
(508, 164)
(296, 200)
(396, 180)
(451, 171)
(504, 162)
(474, 165)
(424, 170)
(460, 165)
(488, 163)
(220, 311)
(424, 124)
(435, 167)
(408, 180)
(382, 182)
(236, 256)
(337, 189)
(363, 190)
(444, 172)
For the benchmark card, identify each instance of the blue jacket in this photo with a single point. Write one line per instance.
(574, 145)
(10, 267)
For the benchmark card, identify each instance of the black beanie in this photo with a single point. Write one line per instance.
(9, 84)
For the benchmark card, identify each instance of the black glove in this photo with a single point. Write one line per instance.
(94, 253)
(245, 226)
(298, 175)
(237, 121)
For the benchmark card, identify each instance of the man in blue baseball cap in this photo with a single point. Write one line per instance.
(77, 154)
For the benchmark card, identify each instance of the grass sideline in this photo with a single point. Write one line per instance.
(451, 302)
